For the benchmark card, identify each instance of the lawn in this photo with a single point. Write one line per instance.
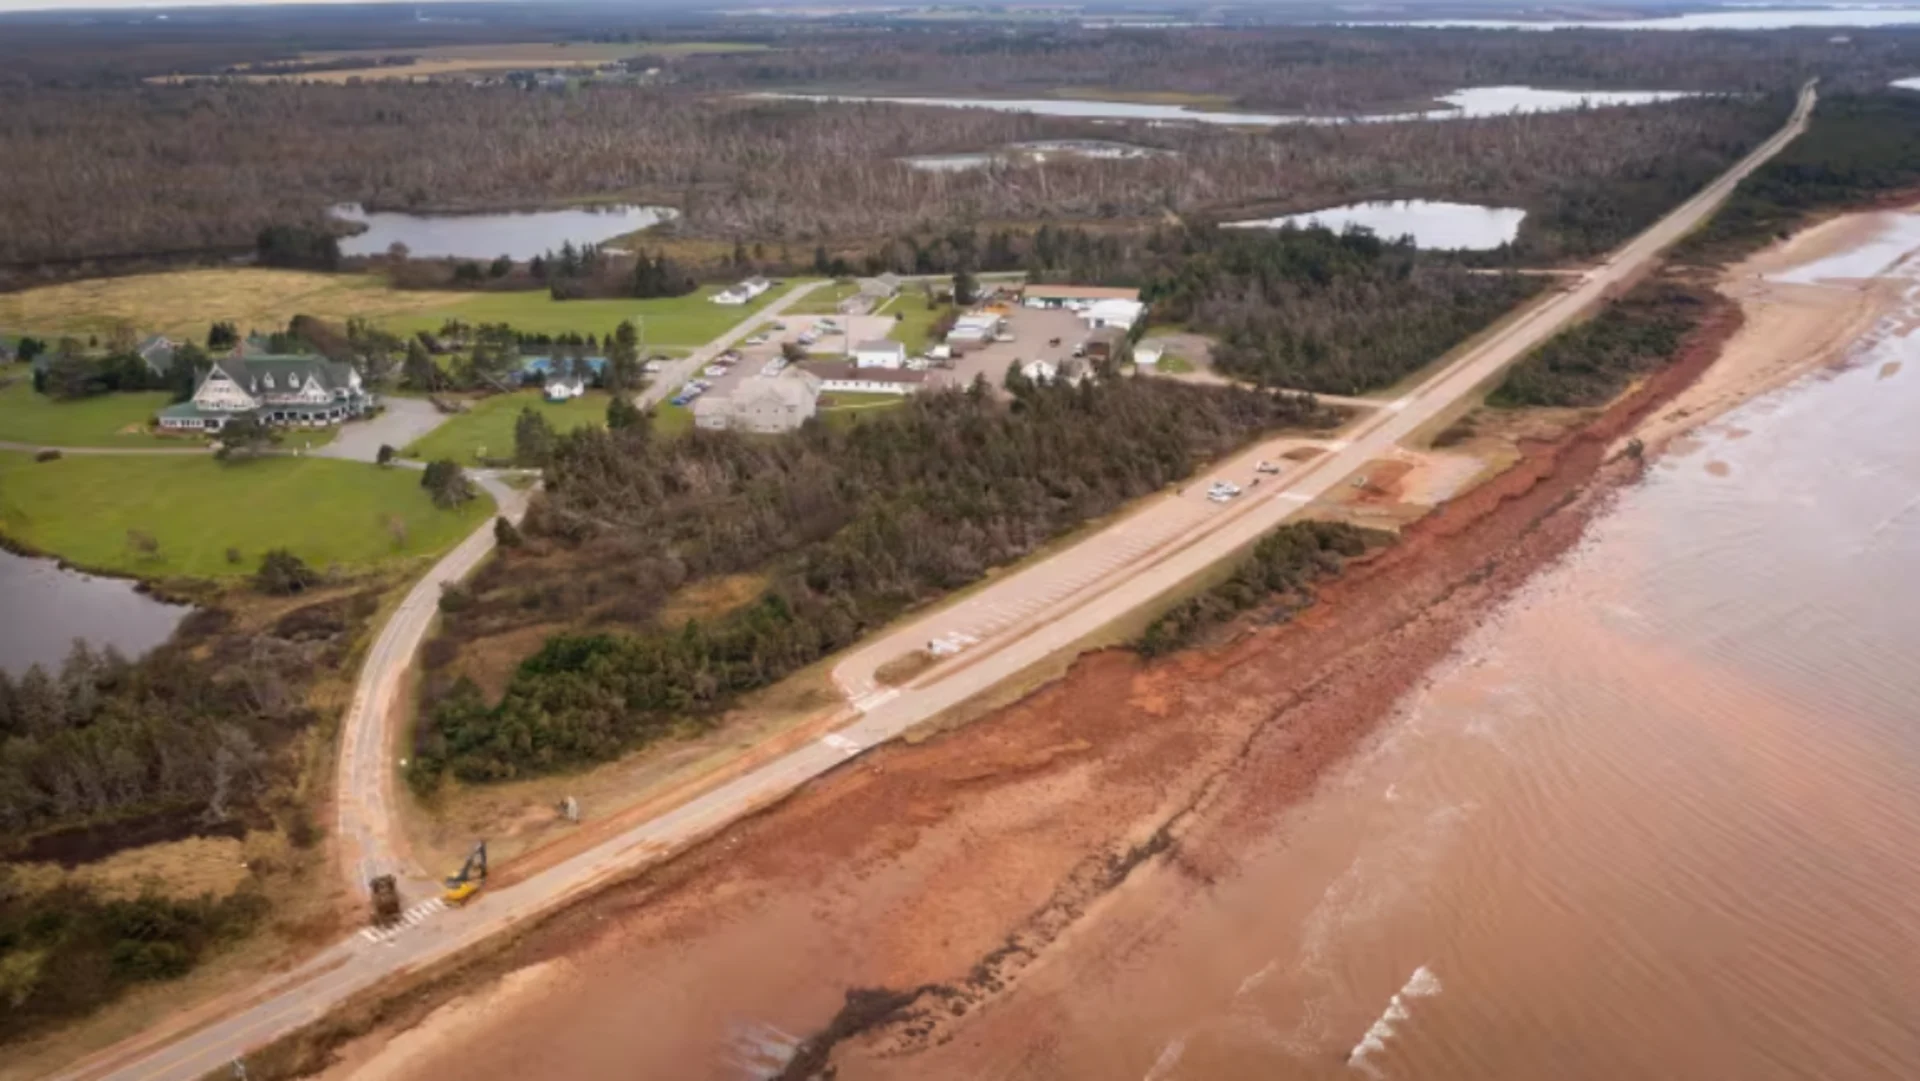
(916, 319)
(183, 303)
(488, 429)
(826, 299)
(107, 420)
(330, 513)
(690, 320)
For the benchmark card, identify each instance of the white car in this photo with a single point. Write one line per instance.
(1227, 487)
(757, 339)
(1266, 467)
(1220, 497)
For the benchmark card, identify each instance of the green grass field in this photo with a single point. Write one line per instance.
(916, 319)
(109, 420)
(691, 320)
(488, 429)
(329, 513)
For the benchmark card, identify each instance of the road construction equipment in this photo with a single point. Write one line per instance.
(464, 883)
(386, 900)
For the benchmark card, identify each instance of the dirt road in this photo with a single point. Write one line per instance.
(309, 992)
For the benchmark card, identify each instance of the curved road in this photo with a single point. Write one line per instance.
(1153, 561)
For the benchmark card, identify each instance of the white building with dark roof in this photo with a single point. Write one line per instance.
(307, 392)
(880, 353)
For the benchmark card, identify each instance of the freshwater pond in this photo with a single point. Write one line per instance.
(1432, 225)
(521, 235)
(1035, 151)
(1473, 102)
(48, 607)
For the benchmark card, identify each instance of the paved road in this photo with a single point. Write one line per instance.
(1192, 543)
(402, 422)
(677, 372)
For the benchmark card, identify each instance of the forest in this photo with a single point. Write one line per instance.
(852, 526)
(1330, 313)
(1592, 362)
(167, 172)
(1278, 574)
(199, 730)
(1857, 148)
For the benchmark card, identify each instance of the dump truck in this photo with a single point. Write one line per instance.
(464, 883)
(386, 900)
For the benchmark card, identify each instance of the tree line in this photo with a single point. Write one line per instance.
(853, 526)
(1857, 147)
(1280, 573)
(1335, 313)
(1592, 362)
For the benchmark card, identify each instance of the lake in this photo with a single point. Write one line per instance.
(48, 607)
(520, 235)
(1035, 151)
(1432, 225)
(1745, 19)
(1473, 102)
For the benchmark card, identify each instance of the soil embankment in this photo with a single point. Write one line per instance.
(943, 870)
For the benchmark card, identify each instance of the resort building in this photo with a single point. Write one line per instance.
(764, 404)
(307, 392)
(743, 292)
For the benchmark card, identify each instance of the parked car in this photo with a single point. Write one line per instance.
(1266, 467)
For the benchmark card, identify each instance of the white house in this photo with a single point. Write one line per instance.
(742, 292)
(1121, 314)
(1075, 297)
(764, 404)
(879, 353)
(565, 389)
(308, 392)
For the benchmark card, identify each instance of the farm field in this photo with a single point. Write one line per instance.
(488, 428)
(183, 303)
(329, 513)
(690, 320)
(459, 59)
(109, 420)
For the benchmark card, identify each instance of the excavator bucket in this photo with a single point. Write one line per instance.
(464, 883)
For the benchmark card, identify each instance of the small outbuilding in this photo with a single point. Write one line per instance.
(879, 353)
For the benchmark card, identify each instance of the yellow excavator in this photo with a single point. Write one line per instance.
(464, 883)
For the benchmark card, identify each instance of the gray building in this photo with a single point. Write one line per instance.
(763, 404)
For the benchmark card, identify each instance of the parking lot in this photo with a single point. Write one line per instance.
(1034, 330)
(834, 336)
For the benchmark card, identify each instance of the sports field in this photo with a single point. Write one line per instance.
(330, 513)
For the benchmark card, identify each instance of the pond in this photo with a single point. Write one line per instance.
(48, 607)
(1035, 151)
(1432, 225)
(520, 235)
(1461, 104)
(1746, 19)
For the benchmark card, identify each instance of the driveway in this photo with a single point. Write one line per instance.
(400, 423)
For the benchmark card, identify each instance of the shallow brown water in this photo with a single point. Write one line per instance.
(1660, 818)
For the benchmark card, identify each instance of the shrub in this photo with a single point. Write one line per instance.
(283, 574)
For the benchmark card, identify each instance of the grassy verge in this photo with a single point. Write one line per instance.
(107, 420)
(194, 509)
(487, 429)
(826, 299)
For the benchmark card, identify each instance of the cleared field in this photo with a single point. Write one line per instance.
(487, 431)
(690, 320)
(183, 303)
(109, 420)
(456, 59)
(329, 513)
